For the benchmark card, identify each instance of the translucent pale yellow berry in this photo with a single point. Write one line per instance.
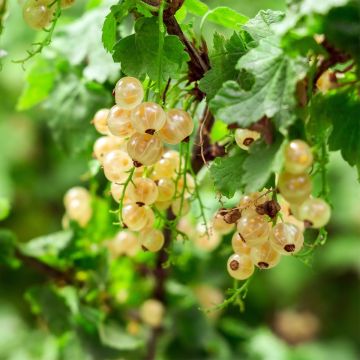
(295, 188)
(164, 168)
(265, 256)
(145, 149)
(179, 125)
(105, 144)
(129, 92)
(239, 246)
(206, 239)
(166, 189)
(76, 193)
(240, 266)
(100, 121)
(37, 13)
(316, 212)
(135, 217)
(220, 225)
(79, 211)
(253, 229)
(152, 312)
(119, 123)
(125, 242)
(245, 137)
(143, 191)
(152, 240)
(180, 208)
(148, 118)
(297, 156)
(286, 238)
(116, 165)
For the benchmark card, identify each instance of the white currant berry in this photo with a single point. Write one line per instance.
(265, 256)
(129, 92)
(166, 189)
(145, 149)
(164, 168)
(125, 242)
(240, 266)
(37, 13)
(100, 121)
(179, 125)
(136, 217)
(245, 137)
(148, 118)
(152, 239)
(79, 211)
(117, 164)
(220, 225)
(316, 212)
(206, 238)
(253, 229)
(76, 193)
(152, 312)
(297, 156)
(295, 188)
(119, 123)
(286, 238)
(180, 208)
(239, 246)
(142, 191)
(105, 144)
(163, 205)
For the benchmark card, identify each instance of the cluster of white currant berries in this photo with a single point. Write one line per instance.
(38, 14)
(262, 237)
(142, 173)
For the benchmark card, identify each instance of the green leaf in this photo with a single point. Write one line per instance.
(342, 29)
(343, 109)
(273, 92)
(223, 60)
(262, 162)
(301, 9)
(138, 53)
(71, 106)
(225, 17)
(48, 247)
(40, 79)
(78, 49)
(113, 336)
(260, 26)
(45, 301)
(4, 208)
(196, 7)
(227, 173)
(7, 248)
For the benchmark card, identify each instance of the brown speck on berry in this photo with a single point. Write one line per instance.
(248, 141)
(234, 265)
(263, 265)
(139, 203)
(308, 224)
(137, 163)
(150, 131)
(289, 248)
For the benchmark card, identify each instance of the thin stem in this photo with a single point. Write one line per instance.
(125, 184)
(161, 46)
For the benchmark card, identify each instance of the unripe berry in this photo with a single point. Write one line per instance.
(37, 13)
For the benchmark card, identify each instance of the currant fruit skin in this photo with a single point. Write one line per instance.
(129, 93)
(265, 256)
(220, 225)
(180, 208)
(37, 14)
(206, 240)
(295, 188)
(163, 205)
(152, 312)
(124, 243)
(142, 191)
(145, 149)
(105, 144)
(164, 168)
(253, 229)
(67, 3)
(179, 125)
(118, 122)
(116, 165)
(76, 193)
(166, 189)
(135, 217)
(79, 211)
(148, 118)
(286, 238)
(239, 246)
(240, 266)
(190, 186)
(152, 240)
(298, 157)
(245, 137)
(100, 121)
(316, 212)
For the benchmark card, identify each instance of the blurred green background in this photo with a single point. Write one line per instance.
(292, 311)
